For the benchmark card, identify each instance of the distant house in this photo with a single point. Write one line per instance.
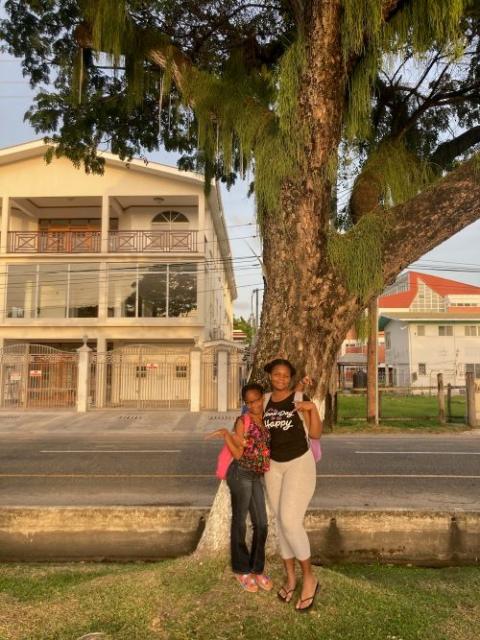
(431, 325)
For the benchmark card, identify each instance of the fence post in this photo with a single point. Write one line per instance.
(449, 402)
(83, 377)
(222, 381)
(441, 398)
(195, 378)
(471, 408)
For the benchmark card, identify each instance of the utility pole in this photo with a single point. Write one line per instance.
(372, 363)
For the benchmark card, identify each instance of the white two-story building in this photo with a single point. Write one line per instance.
(134, 263)
(431, 325)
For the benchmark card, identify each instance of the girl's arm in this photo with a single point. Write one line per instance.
(233, 439)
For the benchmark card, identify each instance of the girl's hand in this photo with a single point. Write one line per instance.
(305, 405)
(219, 433)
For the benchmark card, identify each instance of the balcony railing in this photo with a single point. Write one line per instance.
(152, 241)
(90, 241)
(54, 241)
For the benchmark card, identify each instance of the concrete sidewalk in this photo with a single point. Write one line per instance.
(113, 420)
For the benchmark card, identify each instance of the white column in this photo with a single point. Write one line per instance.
(3, 295)
(195, 378)
(103, 291)
(222, 381)
(201, 223)
(83, 378)
(4, 224)
(2, 372)
(105, 223)
(100, 373)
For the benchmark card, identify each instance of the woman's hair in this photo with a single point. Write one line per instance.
(251, 386)
(280, 361)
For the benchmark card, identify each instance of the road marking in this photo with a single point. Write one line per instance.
(422, 453)
(211, 475)
(111, 451)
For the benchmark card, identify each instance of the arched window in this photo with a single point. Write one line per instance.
(170, 220)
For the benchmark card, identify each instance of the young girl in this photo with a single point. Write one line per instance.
(249, 444)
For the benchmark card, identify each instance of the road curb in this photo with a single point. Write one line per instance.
(150, 533)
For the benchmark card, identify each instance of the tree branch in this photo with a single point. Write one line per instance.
(446, 152)
(433, 216)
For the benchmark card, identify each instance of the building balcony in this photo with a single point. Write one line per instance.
(152, 241)
(36, 242)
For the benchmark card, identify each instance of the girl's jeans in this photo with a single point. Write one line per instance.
(246, 489)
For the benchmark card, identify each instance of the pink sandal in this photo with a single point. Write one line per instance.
(247, 582)
(264, 582)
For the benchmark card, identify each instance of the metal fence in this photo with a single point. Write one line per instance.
(402, 405)
(37, 377)
(142, 377)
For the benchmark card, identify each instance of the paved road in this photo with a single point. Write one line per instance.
(134, 468)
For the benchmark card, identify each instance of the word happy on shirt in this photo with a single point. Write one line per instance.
(279, 419)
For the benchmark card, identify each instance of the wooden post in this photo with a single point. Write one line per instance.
(471, 409)
(380, 397)
(449, 402)
(372, 363)
(328, 419)
(441, 399)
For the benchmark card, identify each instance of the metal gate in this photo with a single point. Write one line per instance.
(236, 373)
(140, 377)
(209, 380)
(35, 376)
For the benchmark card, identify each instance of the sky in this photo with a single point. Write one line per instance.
(458, 258)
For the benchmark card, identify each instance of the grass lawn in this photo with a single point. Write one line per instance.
(183, 600)
(399, 413)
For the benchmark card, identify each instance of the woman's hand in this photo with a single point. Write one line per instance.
(219, 433)
(306, 381)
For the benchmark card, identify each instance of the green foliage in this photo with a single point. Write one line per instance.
(420, 24)
(243, 325)
(357, 254)
(269, 140)
(401, 173)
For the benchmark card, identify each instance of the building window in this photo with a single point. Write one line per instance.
(427, 299)
(181, 370)
(388, 343)
(422, 369)
(152, 290)
(471, 330)
(54, 290)
(445, 330)
(473, 367)
(420, 330)
(170, 218)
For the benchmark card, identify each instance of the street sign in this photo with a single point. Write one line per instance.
(35, 373)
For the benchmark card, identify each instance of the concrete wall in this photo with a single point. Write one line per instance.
(127, 533)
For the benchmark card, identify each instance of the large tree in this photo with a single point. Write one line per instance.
(288, 88)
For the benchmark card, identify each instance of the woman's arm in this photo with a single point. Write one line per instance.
(311, 416)
(233, 439)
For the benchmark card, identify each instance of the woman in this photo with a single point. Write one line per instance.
(290, 481)
(249, 445)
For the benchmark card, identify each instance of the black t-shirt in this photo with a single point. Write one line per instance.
(287, 433)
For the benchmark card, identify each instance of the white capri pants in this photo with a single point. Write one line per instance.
(290, 487)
